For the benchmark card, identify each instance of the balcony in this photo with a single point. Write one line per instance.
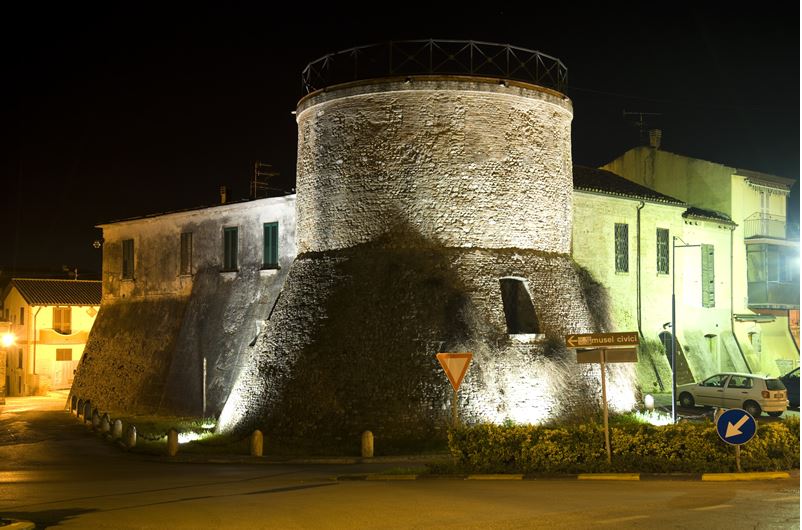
(764, 225)
(772, 272)
(51, 336)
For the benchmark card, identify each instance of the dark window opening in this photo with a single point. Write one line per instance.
(270, 250)
(128, 259)
(662, 251)
(186, 253)
(230, 236)
(518, 308)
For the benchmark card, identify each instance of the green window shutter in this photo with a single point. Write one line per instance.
(128, 259)
(621, 247)
(230, 248)
(708, 277)
(270, 258)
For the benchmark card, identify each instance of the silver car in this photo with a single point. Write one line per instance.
(753, 393)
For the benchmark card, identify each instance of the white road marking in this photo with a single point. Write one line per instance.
(714, 507)
(623, 519)
(783, 499)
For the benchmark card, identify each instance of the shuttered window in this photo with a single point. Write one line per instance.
(662, 251)
(128, 259)
(63, 354)
(270, 260)
(230, 235)
(708, 277)
(62, 320)
(621, 247)
(186, 253)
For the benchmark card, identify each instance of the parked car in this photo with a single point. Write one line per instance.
(753, 393)
(791, 382)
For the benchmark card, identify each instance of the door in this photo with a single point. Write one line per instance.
(738, 390)
(710, 392)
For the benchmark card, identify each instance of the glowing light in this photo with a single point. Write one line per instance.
(655, 417)
(648, 401)
(8, 339)
(184, 437)
(208, 426)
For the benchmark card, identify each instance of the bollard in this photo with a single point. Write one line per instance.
(648, 401)
(130, 436)
(257, 443)
(80, 408)
(367, 444)
(95, 419)
(172, 442)
(87, 411)
(105, 423)
(117, 430)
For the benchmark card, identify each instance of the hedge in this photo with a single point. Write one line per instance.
(636, 448)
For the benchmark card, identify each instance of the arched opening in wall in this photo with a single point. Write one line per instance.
(519, 311)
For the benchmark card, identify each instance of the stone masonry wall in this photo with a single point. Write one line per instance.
(464, 163)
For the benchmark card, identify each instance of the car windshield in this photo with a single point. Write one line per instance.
(774, 384)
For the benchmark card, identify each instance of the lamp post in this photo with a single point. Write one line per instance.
(674, 324)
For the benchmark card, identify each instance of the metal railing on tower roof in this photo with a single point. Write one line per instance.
(435, 57)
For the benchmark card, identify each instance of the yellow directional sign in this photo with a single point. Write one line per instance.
(605, 340)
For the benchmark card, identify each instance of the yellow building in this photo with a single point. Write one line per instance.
(50, 321)
(765, 250)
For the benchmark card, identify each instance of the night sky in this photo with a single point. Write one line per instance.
(112, 112)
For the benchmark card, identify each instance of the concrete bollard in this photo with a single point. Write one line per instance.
(257, 443)
(87, 411)
(117, 430)
(105, 423)
(130, 436)
(79, 408)
(367, 444)
(95, 419)
(172, 442)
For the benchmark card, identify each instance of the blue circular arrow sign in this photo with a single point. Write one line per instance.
(736, 426)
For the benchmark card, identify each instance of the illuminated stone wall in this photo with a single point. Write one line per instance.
(463, 163)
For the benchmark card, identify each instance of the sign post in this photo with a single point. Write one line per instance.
(455, 365)
(736, 427)
(604, 348)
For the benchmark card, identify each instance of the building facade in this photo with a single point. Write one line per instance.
(765, 246)
(49, 322)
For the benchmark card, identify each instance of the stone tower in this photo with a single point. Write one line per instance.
(433, 215)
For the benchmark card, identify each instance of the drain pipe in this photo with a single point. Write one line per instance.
(732, 300)
(637, 268)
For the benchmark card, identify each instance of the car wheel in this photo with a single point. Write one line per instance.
(775, 413)
(686, 400)
(752, 408)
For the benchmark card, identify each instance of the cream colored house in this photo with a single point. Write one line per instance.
(623, 233)
(50, 321)
(765, 248)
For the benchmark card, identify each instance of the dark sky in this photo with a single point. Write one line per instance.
(115, 112)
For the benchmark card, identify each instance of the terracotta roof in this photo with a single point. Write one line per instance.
(58, 292)
(608, 183)
(699, 213)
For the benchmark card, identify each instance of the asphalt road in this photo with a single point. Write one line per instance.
(56, 473)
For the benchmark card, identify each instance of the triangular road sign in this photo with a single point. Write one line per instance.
(455, 365)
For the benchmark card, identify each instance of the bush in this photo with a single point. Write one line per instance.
(684, 447)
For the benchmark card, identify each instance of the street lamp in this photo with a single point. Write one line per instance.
(674, 324)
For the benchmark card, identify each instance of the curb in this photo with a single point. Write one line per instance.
(705, 477)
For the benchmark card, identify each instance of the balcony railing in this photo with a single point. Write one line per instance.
(765, 225)
(435, 57)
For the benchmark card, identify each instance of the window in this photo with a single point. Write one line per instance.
(518, 308)
(21, 316)
(740, 381)
(708, 277)
(662, 251)
(717, 381)
(64, 354)
(128, 259)
(270, 260)
(621, 247)
(19, 354)
(230, 248)
(62, 320)
(186, 253)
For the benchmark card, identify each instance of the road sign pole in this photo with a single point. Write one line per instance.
(738, 458)
(604, 404)
(454, 410)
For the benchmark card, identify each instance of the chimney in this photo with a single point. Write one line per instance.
(655, 135)
(223, 194)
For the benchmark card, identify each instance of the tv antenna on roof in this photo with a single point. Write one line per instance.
(261, 174)
(639, 120)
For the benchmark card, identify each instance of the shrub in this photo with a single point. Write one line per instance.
(684, 447)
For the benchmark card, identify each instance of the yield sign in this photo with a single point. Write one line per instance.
(455, 366)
